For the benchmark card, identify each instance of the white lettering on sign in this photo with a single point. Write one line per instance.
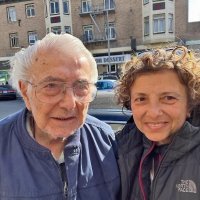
(113, 59)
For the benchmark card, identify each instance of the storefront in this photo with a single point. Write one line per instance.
(111, 64)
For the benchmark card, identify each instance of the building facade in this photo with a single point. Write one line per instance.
(113, 30)
(21, 24)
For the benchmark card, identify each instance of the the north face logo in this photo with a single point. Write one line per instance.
(188, 186)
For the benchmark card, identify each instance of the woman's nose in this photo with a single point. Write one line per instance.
(154, 109)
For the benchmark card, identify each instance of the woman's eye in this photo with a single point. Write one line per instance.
(139, 99)
(169, 99)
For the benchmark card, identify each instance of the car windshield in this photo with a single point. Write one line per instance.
(102, 85)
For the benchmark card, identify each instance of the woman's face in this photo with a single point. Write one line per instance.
(159, 105)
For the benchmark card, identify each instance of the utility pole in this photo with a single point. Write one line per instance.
(108, 38)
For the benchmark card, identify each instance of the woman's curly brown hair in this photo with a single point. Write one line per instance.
(181, 60)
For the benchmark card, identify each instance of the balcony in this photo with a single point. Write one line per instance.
(95, 38)
(95, 9)
(86, 39)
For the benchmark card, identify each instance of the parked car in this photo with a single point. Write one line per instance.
(106, 84)
(7, 92)
(107, 76)
(116, 118)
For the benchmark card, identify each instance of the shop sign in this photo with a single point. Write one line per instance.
(113, 59)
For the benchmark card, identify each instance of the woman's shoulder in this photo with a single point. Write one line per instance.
(129, 135)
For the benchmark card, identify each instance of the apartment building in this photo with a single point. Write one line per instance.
(106, 28)
(58, 16)
(22, 23)
(187, 33)
(113, 30)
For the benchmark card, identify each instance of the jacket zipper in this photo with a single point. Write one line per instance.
(65, 188)
(140, 171)
(158, 169)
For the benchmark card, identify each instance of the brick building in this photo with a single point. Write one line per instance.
(21, 24)
(113, 30)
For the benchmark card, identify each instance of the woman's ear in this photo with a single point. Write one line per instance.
(188, 114)
(23, 86)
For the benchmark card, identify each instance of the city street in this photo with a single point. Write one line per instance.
(103, 100)
(10, 106)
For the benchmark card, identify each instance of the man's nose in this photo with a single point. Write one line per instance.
(68, 98)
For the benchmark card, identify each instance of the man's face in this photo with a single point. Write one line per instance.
(159, 105)
(60, 119)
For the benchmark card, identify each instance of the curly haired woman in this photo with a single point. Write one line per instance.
(159, 155)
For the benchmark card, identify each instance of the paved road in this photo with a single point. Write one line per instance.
(8, 107)
(103, 100)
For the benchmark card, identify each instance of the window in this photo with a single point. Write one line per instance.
(67, 29)
(65, 7)
(56, 29)
(145, 1)
(159, 6)
(86, 6)
(14, 40)
(88, 33)
(54, 7)
(159, 23)
(170, 23)
(11, 13)
(113, 68)
(55, 19)
(30, 10)
(109, 4)
(146, 26)
(110, 31)
(32, 37)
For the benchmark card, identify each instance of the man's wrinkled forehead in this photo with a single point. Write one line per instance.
(45, 57)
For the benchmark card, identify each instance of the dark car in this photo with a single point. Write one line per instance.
(116, 118)
(7, 92)
(108, 76)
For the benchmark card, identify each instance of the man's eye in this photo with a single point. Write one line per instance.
(50, 85)
(82, 87)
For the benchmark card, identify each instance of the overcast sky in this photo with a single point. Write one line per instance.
(194, 10)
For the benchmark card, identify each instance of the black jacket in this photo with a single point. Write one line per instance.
(177, 176)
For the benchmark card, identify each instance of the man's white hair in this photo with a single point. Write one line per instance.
(23, 60)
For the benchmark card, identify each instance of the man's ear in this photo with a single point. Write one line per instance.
(24, 92)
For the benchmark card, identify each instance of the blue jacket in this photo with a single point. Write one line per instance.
(28, 170)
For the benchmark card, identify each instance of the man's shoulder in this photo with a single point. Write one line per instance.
(9, 122)
(94, 122)
(97, 129)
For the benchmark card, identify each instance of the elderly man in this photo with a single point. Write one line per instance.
(53, 150)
